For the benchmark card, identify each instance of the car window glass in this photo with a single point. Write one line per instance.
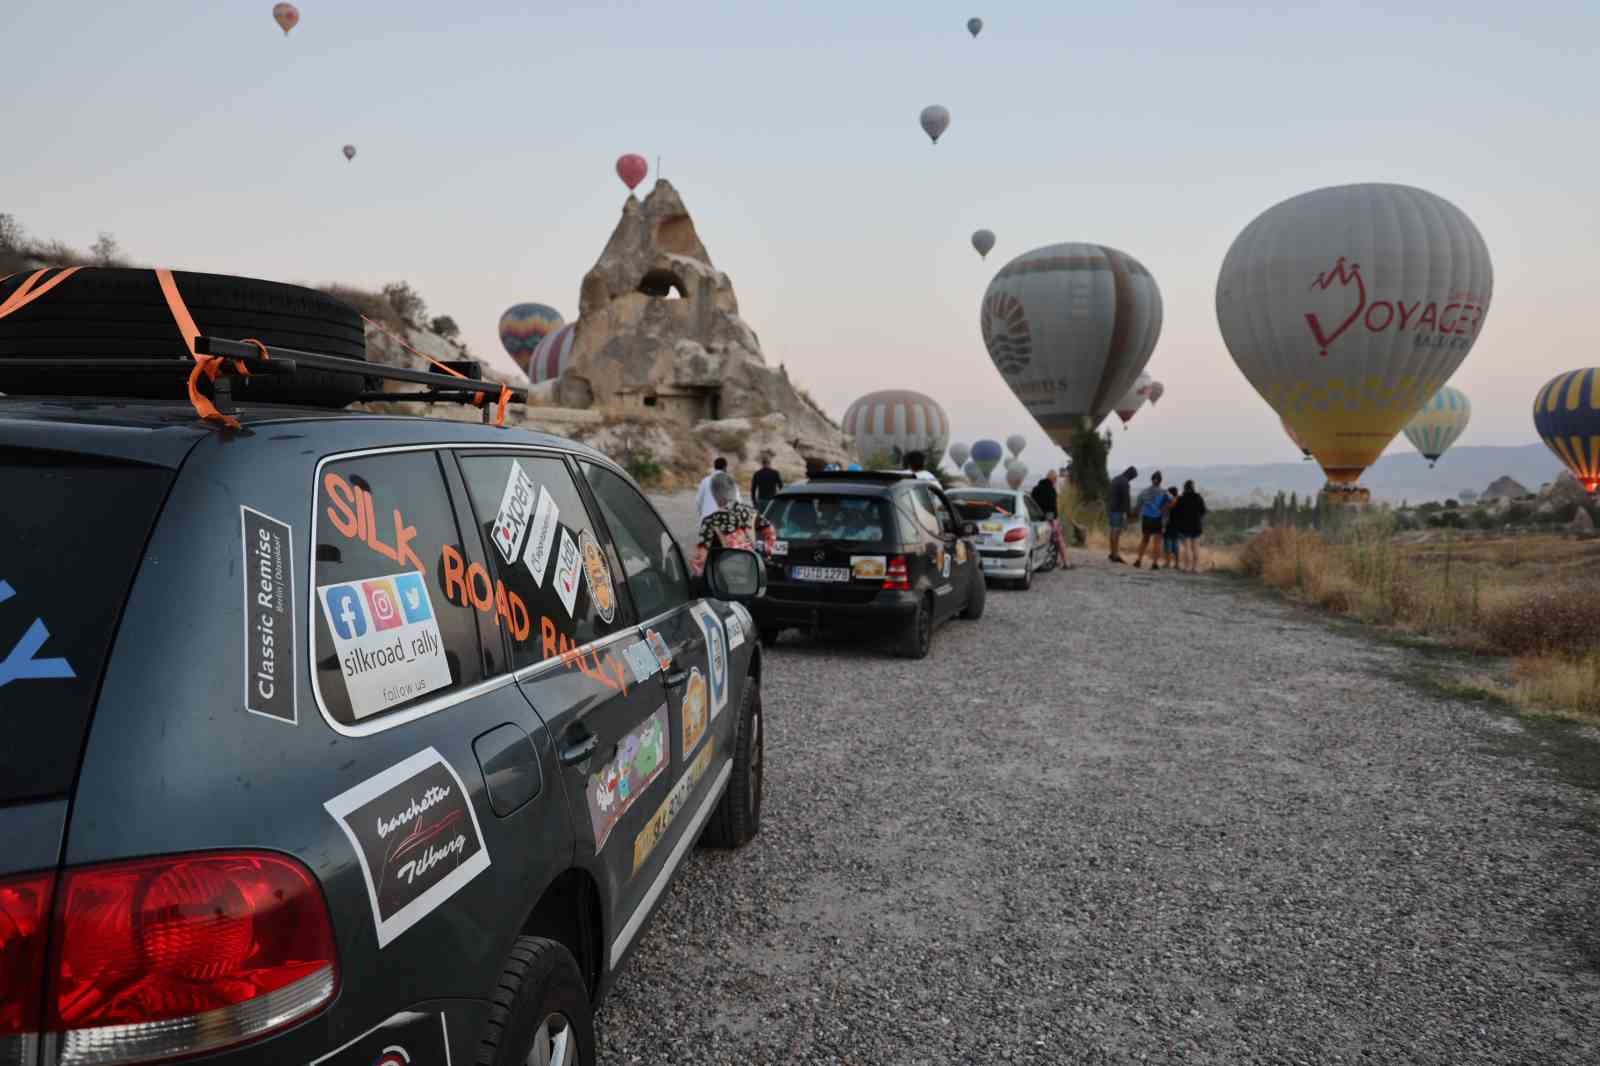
(651, 561)
(552, 585)
(926, 513)
(1034, 512)
(941, 511)
(862, 519)
(388, 633)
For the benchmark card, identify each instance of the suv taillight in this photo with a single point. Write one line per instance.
(158, 958)
(897, 578)
(24, 923)
(1017, 534)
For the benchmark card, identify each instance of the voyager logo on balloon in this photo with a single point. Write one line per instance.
(1458, 318)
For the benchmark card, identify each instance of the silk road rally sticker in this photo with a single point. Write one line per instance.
(409, 1039)
(663, 654)
(568, 563)
(387, 640)
(541, 536)
(416, 836)
(641, 756)
(516, 513)
(269, 680)
(598, 574)
(869, 567)
(641, 660)
(716, 655)
(656, 827)
(694, 711)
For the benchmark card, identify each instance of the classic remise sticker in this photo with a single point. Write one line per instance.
(269, 637)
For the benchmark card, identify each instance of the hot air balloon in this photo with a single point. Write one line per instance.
(983, 241)
(888, 424)
(1434, 428)
(632, 169)
(1134, 398)
(970, 470)
(1155, 392)
(974, 26)
(1348, 307)
(1566, 413)
(1304, 451)
(350, 153)
(935, 120)
(287, 16)
(1015, 443)
(987, 453)
(553, 356)
(1016, 474)
(523, 326)
(959, 454)
(1069, 327)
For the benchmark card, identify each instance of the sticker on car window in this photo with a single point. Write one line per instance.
(641, 757)
(515, 514)
(597, 572)
(541, 536)
(408, 1039)
(659, 647)
(269, 638)
(416, 837)
(735, 629)
(568, 563)
(23, 662)
(716, 655)
(869, 567)
(694, 711)
(641, 660)
(662, 819)
(387, 640)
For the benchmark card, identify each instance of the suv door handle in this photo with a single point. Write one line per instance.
(581, 747)
(676, 679)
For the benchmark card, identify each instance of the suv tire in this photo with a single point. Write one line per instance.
(540, 1001)
(737, 818)
(917, 638)
(769, 636)
(977, 597)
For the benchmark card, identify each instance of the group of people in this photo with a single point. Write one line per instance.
(1170, 522)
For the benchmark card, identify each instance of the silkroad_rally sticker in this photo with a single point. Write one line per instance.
(869, 567)
(541, 536)
(641, 660)
(656, 827)
(516, 513)
(716, 655)
(641, 757)
(735, 631)
(694, 711)
(409, 1039)
(598, 573)
(387, 640)
(568, 563)
(659, 647)
(268, 617)
(416, 836)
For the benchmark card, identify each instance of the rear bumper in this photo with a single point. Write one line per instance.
(1004, 562)
(787, 606)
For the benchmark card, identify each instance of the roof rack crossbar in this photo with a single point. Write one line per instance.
(176, 367)
(317, 361)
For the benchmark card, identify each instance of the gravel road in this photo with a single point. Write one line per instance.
(1187, 824)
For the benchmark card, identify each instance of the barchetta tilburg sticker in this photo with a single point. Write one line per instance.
(659, 647)
(869, 567)
(516, 512)
(416, 836)
(694, 711)
(387, 640)
(541, 536)
(641, 756)
(656, 827)
(568, 563)
(409, 1039)
(268, 616)
(716, 655)
(598, 573)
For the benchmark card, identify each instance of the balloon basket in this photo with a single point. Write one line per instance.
(1342, 495)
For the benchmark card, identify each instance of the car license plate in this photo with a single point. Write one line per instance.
(988, 563)
(819, 573)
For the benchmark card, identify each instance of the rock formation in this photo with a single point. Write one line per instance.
(1504, 487)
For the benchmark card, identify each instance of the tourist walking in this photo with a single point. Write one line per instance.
(1152, 507)
(1045, 495)
(1188, 515)
(916, 462)
(1169, 532)
(704, 502)
(1118, 505)
(731, 524)
(766, 482)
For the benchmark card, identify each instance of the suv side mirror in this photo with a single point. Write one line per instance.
(735, 574)
(969, 529)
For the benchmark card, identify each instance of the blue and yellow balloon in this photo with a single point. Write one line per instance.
(1566, 413)
(1440, 422)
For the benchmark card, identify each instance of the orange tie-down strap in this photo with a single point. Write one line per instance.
(505, 390)
(31, 289)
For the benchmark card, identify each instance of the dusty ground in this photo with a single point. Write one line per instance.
(1135, 817)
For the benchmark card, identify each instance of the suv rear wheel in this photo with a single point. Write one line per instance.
(977, 596)
(737, 818)
(541, 1010)
(918, 635)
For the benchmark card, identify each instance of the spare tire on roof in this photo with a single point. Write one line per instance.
(120, 313)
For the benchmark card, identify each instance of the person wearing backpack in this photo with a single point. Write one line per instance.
(1152, 507)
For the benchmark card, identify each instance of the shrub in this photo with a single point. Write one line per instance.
(407, 303)
(446, 327)
(1553, 621)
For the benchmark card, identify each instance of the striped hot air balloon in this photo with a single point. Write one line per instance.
(1566, 413)
(524, 326)
(1434, 428)
(890, 423)
(553, 356)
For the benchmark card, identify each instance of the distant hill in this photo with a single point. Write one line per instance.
(1393, 478)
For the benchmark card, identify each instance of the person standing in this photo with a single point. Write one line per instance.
(1188, 515)
(704, 502)
(766, 482)
(1169, 532)
(916, 462)
(731, 524)
(1118, 505)
(1152, 507)
(1045, 495)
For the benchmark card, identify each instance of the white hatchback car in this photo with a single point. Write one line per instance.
(1014, 537)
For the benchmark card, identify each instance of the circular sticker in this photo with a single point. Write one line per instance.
(598, 574)
(694, 711)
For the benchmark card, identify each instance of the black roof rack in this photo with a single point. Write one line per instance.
(879, 476)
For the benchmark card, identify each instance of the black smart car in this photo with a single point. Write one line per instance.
(874, 552)
(341, 739)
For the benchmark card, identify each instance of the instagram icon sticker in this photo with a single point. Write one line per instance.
(383, 603)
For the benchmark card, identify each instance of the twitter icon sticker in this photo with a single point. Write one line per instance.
(414, 601)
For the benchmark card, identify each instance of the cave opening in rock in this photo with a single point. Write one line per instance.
(663, 284)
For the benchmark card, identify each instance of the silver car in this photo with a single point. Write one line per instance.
(1014, 537)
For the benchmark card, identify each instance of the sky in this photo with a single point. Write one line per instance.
(202, 138)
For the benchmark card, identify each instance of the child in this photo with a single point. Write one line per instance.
(1169, 533)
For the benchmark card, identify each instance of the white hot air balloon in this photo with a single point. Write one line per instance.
(983, 241)
(935, 120)
(1016, 474)
(1348, 308)
(1069, 327)
(959, 453)
(1015, 443)
(1134, 399)
(1444, 418)
(970, 470)
(888, 424)
(1155, 392)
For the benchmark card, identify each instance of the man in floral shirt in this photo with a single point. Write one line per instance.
(732, 525)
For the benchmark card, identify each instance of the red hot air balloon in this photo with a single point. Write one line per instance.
(632, 169)
(287, 16)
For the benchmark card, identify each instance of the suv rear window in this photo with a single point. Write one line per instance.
(832, 517)
(72, 535)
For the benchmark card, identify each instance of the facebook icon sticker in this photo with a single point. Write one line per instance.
(413, 597)
(345, 614)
